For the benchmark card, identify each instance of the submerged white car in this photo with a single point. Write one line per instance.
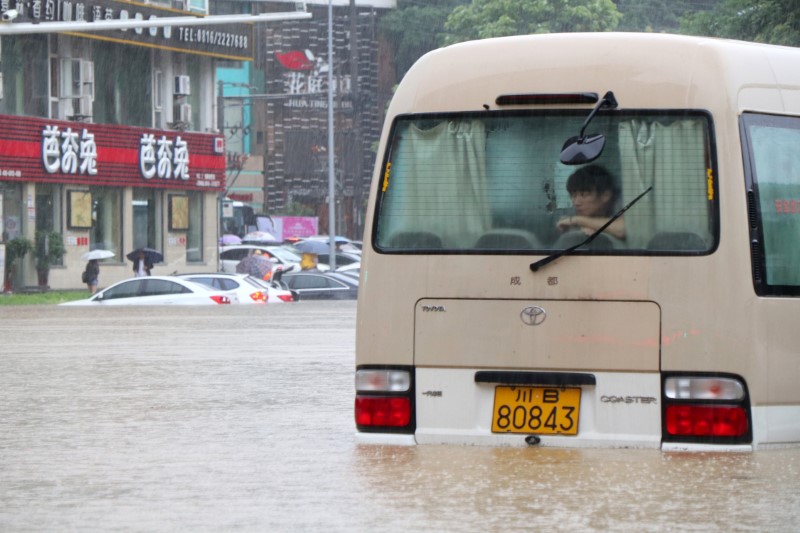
(158, 290)
(248, 289)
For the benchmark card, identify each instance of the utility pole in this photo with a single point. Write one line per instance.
(355, 94)
(331, 147)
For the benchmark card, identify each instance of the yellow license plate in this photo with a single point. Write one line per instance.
(536, 410)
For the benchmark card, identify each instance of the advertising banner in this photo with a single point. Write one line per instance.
(53, 151)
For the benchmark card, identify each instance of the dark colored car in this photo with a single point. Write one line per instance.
(316, 285)
(342, 258)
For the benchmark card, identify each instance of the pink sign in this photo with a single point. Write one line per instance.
(288, 227)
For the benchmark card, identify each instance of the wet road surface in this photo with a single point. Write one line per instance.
(240, 419)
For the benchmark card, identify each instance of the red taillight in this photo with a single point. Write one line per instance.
(221, 299)
(286, 297)
(706, 420)
(258, 296)
(385, 411)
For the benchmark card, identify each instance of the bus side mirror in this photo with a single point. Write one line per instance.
(579, 150)
(587, 148)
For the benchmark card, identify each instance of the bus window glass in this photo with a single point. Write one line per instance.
(493, 183)
(775, 168)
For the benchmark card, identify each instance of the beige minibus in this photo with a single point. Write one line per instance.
(586, 240)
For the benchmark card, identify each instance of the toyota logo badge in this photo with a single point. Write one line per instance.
(533, 316)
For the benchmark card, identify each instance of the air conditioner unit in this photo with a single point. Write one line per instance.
(183, 113)
(85, 106)
(182, 86)
(87, 78)
(87, 71)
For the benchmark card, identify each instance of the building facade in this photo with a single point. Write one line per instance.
(109, 139)
(285, 168)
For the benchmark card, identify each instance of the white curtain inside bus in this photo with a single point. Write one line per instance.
(439, 182)
(670, 157)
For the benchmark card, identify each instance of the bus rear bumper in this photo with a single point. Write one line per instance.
(387, 439)
(688, 447)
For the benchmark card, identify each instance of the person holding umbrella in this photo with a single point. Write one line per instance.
(91, 274)
(309, 261)
(311, 250)
(143, 260)
(257, 265)
(142, 265)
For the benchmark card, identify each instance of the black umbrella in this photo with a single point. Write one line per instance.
(151, 256)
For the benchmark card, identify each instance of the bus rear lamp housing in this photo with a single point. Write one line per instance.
(712, 421)
(703, 388)
(379, 380)
(383, 411)
(385, 400)
(706, 408)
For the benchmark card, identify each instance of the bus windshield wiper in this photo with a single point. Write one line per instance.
(566, 251)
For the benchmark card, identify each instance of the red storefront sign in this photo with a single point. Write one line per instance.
(54, 151)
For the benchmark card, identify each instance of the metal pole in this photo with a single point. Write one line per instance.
(221, 195)
(331, 159)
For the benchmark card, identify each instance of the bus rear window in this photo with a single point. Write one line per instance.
(773, 175)
(493, 183)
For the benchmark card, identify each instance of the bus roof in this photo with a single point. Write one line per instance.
(643, 70)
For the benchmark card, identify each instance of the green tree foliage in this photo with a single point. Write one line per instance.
(415, 28)
(483, 19)
(657, 15)
(17, 248)
(764, 21)
(49, 249)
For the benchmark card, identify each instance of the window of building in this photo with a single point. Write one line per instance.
(48, 209)
(198, 6)
(194, 236)
(71, 79)
(10, 210)
(106, 232)
(122, 91)
(146, 219)
(24, 75)
(158, 98)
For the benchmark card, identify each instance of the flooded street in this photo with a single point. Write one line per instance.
(240, 419)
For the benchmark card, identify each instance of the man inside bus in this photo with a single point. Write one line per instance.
(594, 195)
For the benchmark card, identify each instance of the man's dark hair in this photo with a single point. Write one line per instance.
(592, 178)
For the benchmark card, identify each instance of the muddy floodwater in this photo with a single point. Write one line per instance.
(240, 419)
